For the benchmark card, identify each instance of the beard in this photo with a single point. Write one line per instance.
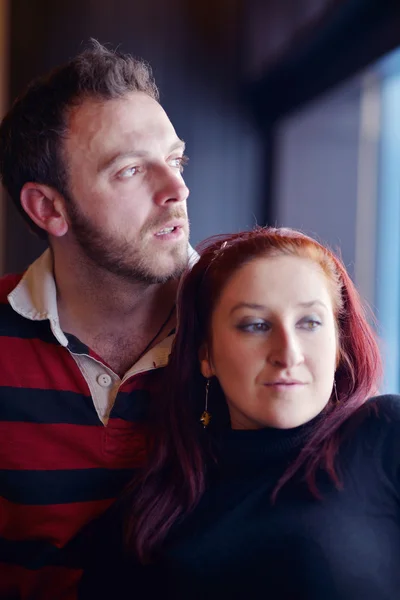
(130, 260)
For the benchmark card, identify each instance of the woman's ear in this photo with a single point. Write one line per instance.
(205, 363)
(339, 352)
(339, 357)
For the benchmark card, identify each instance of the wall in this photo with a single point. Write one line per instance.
(4, 61)
(199, 90)
(317, 170)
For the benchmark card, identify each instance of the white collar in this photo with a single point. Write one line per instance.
(35, 296)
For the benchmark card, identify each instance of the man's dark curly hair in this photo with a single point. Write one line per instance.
(31, 134)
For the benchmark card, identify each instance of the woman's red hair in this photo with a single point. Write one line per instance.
(175, 478)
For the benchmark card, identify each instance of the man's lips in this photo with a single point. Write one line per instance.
(170, 227)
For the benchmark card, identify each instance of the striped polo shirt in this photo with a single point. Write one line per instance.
(71, 434)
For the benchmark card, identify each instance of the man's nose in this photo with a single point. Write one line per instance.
(170, 187)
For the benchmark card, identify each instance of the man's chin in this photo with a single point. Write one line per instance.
(147, 267)
(168, 272)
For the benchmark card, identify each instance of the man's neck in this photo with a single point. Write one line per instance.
(115, 317)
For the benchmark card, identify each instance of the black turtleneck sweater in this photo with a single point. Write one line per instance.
(236, 545)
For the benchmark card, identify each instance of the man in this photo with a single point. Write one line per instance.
(90, 158)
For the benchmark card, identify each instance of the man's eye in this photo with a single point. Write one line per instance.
(127, 173)
(179, 162)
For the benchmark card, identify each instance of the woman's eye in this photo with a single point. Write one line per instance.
(310, 324)
(257, 327)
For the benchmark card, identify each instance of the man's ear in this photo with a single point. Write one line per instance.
(46, 207)
(206, 367)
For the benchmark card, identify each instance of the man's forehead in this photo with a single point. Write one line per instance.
(124, 124)
(132, 103)
(136, 150)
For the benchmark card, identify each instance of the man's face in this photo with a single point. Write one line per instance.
(127, 198)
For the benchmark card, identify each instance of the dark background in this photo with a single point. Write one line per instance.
(228, 72)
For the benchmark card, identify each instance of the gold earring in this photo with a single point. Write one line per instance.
(206, 417)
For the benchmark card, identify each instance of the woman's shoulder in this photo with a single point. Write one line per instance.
(376, 424)
(381, 410)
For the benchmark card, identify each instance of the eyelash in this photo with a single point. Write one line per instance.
(262, 327)
(182, 161)
(259, 327)
(122, 173)
(313, 322)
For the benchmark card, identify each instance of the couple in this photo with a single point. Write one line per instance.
(256, 463)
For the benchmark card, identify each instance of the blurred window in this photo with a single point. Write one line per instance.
(338, 178)
(388, 221)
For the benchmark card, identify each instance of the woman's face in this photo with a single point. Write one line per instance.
(273, 343)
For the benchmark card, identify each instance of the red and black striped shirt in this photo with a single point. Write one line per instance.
(62, 461)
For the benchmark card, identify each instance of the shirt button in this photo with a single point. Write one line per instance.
(104, 380)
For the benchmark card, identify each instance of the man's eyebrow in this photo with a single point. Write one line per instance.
(178, 145)
(135, 153)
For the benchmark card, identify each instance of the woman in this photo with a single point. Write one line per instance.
(273, 472)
